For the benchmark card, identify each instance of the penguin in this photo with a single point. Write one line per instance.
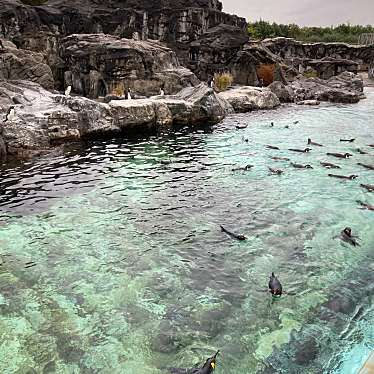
(300, 166)
(275, 171)
(128, 94)
(272, 124)
(346, 236)
(67, 91)
(245, 168)
(370, 167)
(211, 84)
(365, 205)
(347, 140)
(162, 92)
(340, 155)
(275, 286)
(10, 114)
(328, 165)
(361, 152)
(310, 142)
(235, 236)
(272, 147)
(306, 150)
(296, 122)
(280, 158)
(208, 368)
(350, 177)
(241, 127)
(368, 187)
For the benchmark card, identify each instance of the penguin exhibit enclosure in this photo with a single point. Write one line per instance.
(179, 195)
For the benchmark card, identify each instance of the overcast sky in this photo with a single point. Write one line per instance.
(304, 12)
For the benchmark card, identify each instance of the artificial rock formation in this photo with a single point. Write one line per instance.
(97, 63)
(44, 119)
(20, 64)
(179, 24)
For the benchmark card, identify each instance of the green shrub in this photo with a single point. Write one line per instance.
(310, 74)
(223, 81)
(118, 89)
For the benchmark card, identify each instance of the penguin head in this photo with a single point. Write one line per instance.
(309, 141)
(211, 363)
(347, 155)
(348, 231)
(353, 176)
(308, 167)
(307, 150)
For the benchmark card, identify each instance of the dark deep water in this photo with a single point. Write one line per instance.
(112, 260)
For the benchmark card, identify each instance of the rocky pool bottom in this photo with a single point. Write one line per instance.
(112, 260)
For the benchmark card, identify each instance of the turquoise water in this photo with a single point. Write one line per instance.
(112, 260)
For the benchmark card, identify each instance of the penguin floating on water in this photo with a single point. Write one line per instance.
(67, 91)
(10, 114)
(346, 236)
(208, 368)
(275, 286)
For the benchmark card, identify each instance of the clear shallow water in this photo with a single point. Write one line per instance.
(132, 273)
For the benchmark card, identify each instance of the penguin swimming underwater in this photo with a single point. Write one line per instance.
(306, 150)
(310, 142)
(368, 187)
(272, 147)
(235, 236)
(347, 140)
(340, 155)
(275, 171)
(366, 166)
(275, 286)
(208, 368)
(350, 177)
(67, 91)
(328, 165)
(10, 114)
(300, 166)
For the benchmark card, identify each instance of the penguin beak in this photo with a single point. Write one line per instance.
(213, 365)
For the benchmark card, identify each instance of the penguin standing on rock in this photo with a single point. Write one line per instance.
(128, 94)
(10, 115)
(67, 91)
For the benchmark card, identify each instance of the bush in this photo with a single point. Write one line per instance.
(311, 74)
(223, 81)
(34, 2)
(118, 89)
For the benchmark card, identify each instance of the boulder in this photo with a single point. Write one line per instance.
(284, 93)
(345, 88)
(247, 98)
(21, 64)
(98, 64)
(44, 119)
(309, 102)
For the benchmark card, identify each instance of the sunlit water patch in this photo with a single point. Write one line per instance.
(112, 259)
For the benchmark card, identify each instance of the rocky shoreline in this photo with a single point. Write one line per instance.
(100, 53)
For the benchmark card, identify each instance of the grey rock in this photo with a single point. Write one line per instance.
(98, 64)
(345, 88)
(21, 64)
(47, 119)
(245, 99)
(284, 93)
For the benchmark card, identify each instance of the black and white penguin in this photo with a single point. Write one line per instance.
(10, 114)
(128, 94)
(67, 91)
